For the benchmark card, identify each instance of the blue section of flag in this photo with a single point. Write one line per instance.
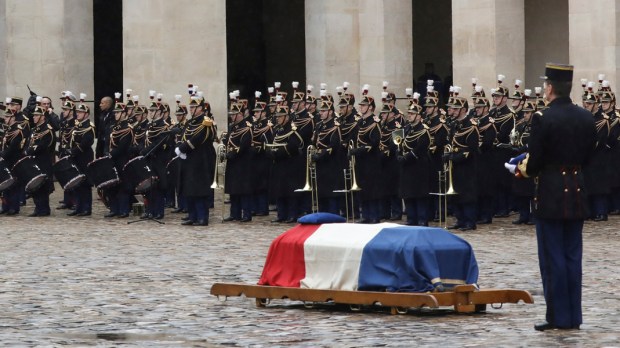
(408, 259)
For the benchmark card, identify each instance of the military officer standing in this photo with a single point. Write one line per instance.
(11, 152)
(562, 139)
(81, 152)
(41, 148)
(262, 134)
(121, 140)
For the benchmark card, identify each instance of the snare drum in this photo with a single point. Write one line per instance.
(6, 179)
(102, 173)
(139, 175)
(28, 172)
(67, 173)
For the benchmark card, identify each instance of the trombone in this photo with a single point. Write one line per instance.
(220, 160)
(350, 184)
(311, 182)
(446, 188)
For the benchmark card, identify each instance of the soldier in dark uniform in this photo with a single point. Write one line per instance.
(486, 161)
(287, 171)
(173, 165)
(415, 166)
(239, 183)
(438, 130)
(81, 152)
(41, 147)
(504, 123)
(140, 125)
(65, 133)
(391, 203)
(155, 150)
(367, 159)
(197, 163)
(311, 105)
(121, 140)
(462, 156)
(11, 152)
(262, 134)
(561, 141)
(329, 159)
(597, 172)
(304, 122)
(523, 188)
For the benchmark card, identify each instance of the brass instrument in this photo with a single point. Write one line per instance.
(398, 135)
(220, 160)
(311, 182)
(446, 188)
(350, 184)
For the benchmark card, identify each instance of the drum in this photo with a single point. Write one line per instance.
(28, 172)
(139, 175)
(6, 179)
(67, 174)
(102, 173)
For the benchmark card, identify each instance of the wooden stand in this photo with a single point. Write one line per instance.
(464, 298)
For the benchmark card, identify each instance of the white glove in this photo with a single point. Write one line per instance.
(511, 167)
(180, 154)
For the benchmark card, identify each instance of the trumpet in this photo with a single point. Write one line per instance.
(311, 182)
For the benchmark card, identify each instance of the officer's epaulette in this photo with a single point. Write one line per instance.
(130, 126)
(376, 118)
(49, 126)
(207, 122)
(425, 126)
(442, 120)
(91, 124)
(293, 127)
(491, 119)
(248, 123)
(337, 124)
(473, 122)
(357, 118)
(19, 126)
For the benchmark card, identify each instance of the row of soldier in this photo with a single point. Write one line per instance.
(397, 157)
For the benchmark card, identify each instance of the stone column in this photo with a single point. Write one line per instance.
(593, 35)
(360, 42)
(48, 45)
(488, 38)
(168, 44)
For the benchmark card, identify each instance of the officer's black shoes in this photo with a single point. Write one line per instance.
(245, 220)
(600, 218)
(187, 223)
(145, 216)
(519, 222)
(177, 210)
(72, 213)
(201, 223)
(291, 220)
(455, 226)
(614, 212)
(11, 212)
(33, 215)
(501, 215)
(84, 213)
(277, 220)
(544, 326)
(122, 216)
(110, 214)
(395, 218)
(260, 214)
(468, 228)
(62, 206)
(228, 219)
(158, 217)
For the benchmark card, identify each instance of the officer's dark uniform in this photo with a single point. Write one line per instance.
(239, 167)
(155, 150)
(486, 172)
(504, 123)
(82, 139)
(262, 134)
(12, 151)
(415, 167)
(173, 166)
(523, 188)
(349, 125)
(304, 122)
(121, 140)
(367, 160)
(288, 169)
(561, 141)
(197, 168)
(438, 130)
(329, 161)
(64, 148)
(391, 203)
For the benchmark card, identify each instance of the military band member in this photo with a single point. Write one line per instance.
(304, 122)
(81, 152)
(391, 203)
(262, 134)
(67, 123)
(438, 130)
(239, 183)
(140, 125)
(11, 152)
(504, 123)
(156, 151)
(173, 167)
(462, 156)
(121, 140)
(288, 168)
(561, 141)
(329, 159)
(523, 188)
(367, 159)
(349, 121)
(597, 172)
(415, 167)
(197, 163)
(311, 105)
(486, 162)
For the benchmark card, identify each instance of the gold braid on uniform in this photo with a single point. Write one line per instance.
(236, 134)
(456, 145)
(118, 134)
(153, 132)
(192, 129)
(77, 131)
(410, 138)
(281, 139)
(9, 136)
(326, 135)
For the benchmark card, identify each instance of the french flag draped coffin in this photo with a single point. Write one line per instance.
(371, 257)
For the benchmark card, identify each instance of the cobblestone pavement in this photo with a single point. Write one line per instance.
(93, 281)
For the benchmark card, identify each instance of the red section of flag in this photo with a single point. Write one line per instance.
(285, 264)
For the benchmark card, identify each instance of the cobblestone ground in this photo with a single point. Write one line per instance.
(94, 281)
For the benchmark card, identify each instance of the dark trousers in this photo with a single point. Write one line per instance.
(260, 204)
(598, 205)
(69, 199)
(502, 201)
(198, 208)
(84, 198)
(523, 206)
(486, 208)
(41, 200)
(371, 210)
(157, 202)
(465, 214)
(11, 198)
(118, 200)
(417, 210)
(354, 209)
(288, 208)
(241, 207)
(560, 249)
(329, 205)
